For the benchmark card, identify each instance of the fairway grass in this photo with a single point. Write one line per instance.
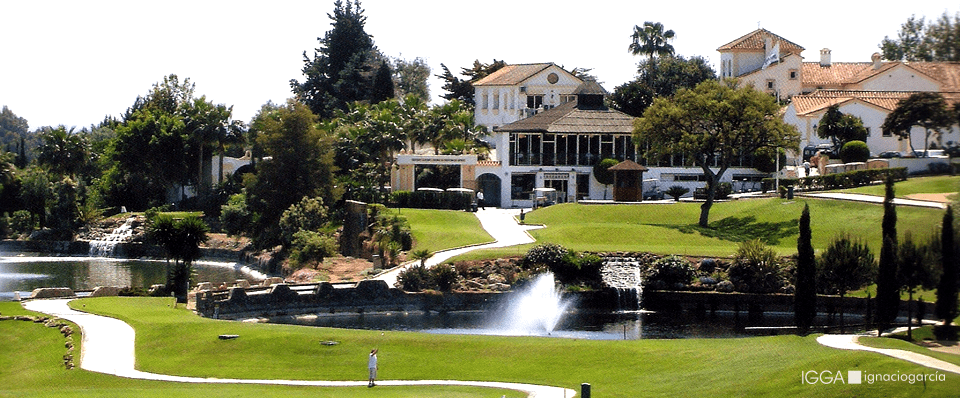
(435, 230)
(914, 185)
(175, 341)
(672, 228)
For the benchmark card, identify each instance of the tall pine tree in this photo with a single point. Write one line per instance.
(339, 72)
(946, 306)
(805, 294)
(888, 291)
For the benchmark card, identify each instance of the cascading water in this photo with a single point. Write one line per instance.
(105, 246)
(534, 310)
(623, 275)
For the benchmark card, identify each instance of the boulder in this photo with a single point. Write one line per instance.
(242, 283)
(203, 286)
(105, 291)
(725, 286)
(51, 292)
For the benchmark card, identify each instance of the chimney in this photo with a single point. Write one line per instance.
(825, 57)
(876, 61)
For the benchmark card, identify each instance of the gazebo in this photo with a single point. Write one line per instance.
(627, 181)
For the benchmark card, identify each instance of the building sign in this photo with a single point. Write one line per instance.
(556, 176)
(437, 159)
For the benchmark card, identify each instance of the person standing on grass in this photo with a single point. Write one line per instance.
(372, 366)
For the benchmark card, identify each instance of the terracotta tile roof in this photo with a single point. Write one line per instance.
(512, 74)
(820, 100)
(628, 165)
(839, 74)
(754, 41)
(568, 118)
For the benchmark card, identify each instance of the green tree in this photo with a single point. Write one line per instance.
(181, 240)
(918, 40)
(847, 264)
(601, 171)
(382, 87)
(713, 124)
(927, 110)
(308, 215)
(338, 73)
(410, 78)
(913, 271)
(462, 89)
(805, 292)
(13, 133)
(946, 305)
(300, 164)
(660, 78)
(840, 128)
(888, 291)
(63, 152)
(651, 40)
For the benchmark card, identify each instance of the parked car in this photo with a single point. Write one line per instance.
(889, 154)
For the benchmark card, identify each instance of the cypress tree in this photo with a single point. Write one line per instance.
(805, 294)
(888, 293)
(383, 88)
(946, 305)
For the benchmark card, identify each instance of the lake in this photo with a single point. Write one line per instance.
(23, 272)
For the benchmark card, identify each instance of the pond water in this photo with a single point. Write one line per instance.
(23, 272)
(629, 325)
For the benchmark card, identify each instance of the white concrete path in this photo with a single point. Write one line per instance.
(875, 199)
(849, 342)
(501, 224)
(108, 347)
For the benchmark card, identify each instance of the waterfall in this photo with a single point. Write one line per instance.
(106, 246)
(623, 275)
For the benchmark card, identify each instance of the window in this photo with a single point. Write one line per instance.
(521, 185)
(794, 74)
(868, 132)
(886, 134)
(534, 101)
(770, 84)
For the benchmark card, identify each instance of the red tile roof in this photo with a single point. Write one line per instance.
(512, 74)
(820, 100)
(568, 118)
(755, 41)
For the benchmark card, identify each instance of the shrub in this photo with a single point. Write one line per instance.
(854, 151)
(548, 254)
(22, 221)
(755, 268)
(307, 215)
(235, 217)
(311, 246)
(724, 190)
(413, 279)
(443, 277)
(676, 192)
(667, 273)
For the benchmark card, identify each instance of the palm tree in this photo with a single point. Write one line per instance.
(63, 151)
(651, 40)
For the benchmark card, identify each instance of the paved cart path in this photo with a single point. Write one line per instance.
(108, 347)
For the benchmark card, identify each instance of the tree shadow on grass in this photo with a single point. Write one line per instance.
(741, 229)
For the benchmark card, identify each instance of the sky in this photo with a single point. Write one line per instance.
(74, 62)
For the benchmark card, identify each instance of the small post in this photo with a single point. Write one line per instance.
(585, 390)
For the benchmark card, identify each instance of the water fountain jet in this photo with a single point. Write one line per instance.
(536, 309)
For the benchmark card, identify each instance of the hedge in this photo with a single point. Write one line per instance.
(850, 179)
(432, 200)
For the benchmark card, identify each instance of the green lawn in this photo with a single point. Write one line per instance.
(886, 342)
(176, 341)
(444, 229)
(672, 228)
(934, 184)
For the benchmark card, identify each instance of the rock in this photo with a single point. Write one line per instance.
(707, 265)
(105, 291)
(203, 286)
(273, 280)
(242, 283)
(228, 336)
(51, 292)
(725, 286)
(706, 280)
